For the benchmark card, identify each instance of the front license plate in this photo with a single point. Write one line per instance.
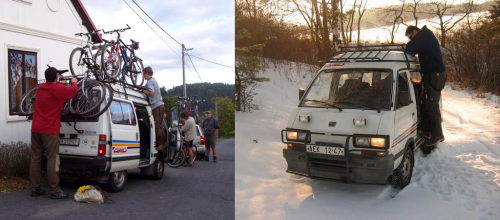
(70, 141)
(339, 151)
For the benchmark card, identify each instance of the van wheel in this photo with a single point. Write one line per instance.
(159, 166)
(117, 180)
(402, 175)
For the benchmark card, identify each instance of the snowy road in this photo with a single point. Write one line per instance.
(459, 180)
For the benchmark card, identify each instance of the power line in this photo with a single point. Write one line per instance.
(153, 30)
(156, 23)
(194, 66)
(212, 62)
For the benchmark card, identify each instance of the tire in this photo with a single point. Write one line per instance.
(27, 106)
(83, 105)
(401, 176)
(76, 64)
(108, 98)
(178, 160)
(159, 167)
(111, 68)
(136, 72)
(117, 181)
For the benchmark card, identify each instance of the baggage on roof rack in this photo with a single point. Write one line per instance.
(375, 53)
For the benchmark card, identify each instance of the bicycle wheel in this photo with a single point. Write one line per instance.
(89, 97)
(76, 64)
(111, 65)
(27, 106)
(136, 73)
(108, 99)
(98, 72)
(178, 159)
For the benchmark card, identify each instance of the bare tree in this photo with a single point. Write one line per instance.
(414, 8)
(447, 19)
(393, 16)
(334, 24)
(361, 12)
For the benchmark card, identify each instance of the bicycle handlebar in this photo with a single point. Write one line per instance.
(117, 30)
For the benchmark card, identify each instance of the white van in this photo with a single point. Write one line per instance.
(358, 119)
(105, 147)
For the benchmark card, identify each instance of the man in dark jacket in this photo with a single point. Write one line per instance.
(210, 130)
(424, 43)
(45, 130)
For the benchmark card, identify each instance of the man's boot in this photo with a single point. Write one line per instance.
(215, 159)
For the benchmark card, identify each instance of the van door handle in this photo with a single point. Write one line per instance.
(136, 136)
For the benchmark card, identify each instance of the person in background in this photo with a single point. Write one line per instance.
(153, 91)
(189, 131)
(45, 130)
(210, 130)
(164, 126)
(425, 44)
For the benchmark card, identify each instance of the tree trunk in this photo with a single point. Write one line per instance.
(326, 37)
(238, 91)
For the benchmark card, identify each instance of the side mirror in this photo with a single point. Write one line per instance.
(403, 98)
(301, 93)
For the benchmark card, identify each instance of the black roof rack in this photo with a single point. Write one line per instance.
(370, 53)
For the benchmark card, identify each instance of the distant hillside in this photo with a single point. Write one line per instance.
(374, 17)
(204, 91)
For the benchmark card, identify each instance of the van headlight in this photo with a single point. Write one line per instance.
(296, 135)
(366, 141)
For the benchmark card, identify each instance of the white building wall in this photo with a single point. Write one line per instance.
(33, 27)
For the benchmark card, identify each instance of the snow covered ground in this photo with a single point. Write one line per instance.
(459, 180)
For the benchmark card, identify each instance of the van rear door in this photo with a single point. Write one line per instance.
(125, 148)
(74, 143)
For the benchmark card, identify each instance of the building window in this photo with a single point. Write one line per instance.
(22, 76)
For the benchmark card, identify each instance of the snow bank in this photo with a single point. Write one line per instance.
(460, 180)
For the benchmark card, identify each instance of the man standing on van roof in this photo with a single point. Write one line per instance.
(45, 130)
(210, 129)
(424, 43)
(153, 91)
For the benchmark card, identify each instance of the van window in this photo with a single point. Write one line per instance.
(403, 85)
(198, 131)
(351, 89)
(122, 113)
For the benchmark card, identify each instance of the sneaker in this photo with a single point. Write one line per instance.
(37, 192)
(206, 158)
(59, 195)
(215, 159)
(434, 140)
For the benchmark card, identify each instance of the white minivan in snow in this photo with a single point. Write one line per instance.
(358, 119)
(104, 148)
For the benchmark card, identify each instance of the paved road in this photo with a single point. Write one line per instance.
(204, 191)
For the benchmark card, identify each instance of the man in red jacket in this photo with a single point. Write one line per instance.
(45, 129)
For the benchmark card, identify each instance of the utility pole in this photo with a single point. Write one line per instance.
(183, 72)
(216, 115)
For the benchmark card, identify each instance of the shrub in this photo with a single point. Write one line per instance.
(14, 159)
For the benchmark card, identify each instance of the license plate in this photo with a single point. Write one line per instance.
(325, 150)
(70, 141)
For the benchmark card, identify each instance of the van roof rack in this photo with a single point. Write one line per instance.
(371, 53)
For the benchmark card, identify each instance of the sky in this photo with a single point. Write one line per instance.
(205, 26)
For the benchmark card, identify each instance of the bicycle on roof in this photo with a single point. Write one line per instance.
(115, 52)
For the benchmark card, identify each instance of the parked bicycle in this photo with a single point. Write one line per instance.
(196, 108)
(115, 52)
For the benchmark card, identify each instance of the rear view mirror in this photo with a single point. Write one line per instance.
(301, 93)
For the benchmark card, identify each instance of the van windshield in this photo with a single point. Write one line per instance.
(350, 89)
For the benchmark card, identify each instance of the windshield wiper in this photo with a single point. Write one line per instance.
(361, 105)
(327, 104)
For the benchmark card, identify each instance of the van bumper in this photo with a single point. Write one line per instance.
(73, 163)
(362, 168)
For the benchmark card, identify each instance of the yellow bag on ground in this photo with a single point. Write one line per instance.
(89, 194)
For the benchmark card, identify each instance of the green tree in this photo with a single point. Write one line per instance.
(170, 102)
(225, 111)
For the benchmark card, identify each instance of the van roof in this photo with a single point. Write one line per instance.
(131, 94)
